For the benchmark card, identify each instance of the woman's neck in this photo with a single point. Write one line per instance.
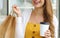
(38, 11)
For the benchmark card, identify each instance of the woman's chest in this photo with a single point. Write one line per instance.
(32, 30)
(36, 20)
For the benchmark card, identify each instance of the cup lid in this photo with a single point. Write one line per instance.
(46, 23)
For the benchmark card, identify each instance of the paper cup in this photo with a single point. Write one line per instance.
(44, 26)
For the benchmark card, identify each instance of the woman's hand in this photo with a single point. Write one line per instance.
(16, 9)
(48, 34)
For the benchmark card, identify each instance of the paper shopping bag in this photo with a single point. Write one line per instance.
(7, 28)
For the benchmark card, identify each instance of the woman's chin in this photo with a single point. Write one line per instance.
(37, 6)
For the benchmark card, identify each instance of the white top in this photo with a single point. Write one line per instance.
(23, 20)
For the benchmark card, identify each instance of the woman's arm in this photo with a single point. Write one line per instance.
(19, 25)
(55, 22)
(19, 28)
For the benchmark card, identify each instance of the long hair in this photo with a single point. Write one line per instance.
(48, 16)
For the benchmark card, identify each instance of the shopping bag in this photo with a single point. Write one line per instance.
(7, 28)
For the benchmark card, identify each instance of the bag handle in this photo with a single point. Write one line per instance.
(13, 14)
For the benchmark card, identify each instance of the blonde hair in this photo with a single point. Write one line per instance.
(48, 16)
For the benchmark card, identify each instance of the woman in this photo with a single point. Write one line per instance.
(42, 13)
(28, 23)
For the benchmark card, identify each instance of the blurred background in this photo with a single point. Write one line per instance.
(6, 7)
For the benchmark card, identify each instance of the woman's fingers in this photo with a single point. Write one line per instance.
(16, 9)
(48, 34)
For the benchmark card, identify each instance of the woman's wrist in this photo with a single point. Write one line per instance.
(19, 15)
